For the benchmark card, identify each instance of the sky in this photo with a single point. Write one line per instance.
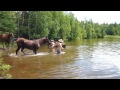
(98, 16)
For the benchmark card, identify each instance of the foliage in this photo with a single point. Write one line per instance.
(8, 76)
(4, 68)
(7, 21)
(53, 24)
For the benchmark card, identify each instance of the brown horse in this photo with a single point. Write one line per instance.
(5, 38)
(34, 45)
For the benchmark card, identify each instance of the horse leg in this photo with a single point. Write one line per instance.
(22, 50)
(34, 51)
(7, 45)
(18, 49)
(3, 44)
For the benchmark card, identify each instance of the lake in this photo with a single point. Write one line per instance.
(85, 59)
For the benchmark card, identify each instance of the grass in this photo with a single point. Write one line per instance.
(4, 68)
(111, 36)
(1, 46)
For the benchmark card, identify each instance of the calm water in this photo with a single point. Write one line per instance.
(86, 59)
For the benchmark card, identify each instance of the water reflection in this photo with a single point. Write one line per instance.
(100, 61)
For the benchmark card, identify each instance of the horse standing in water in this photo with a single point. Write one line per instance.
(34, 45)
(5, 38)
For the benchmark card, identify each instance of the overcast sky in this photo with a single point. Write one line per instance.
(98, 16)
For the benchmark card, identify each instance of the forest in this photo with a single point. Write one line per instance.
(53, 24)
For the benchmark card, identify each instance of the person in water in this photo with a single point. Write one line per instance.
(52, 46)
(56, 46)
(59, 46)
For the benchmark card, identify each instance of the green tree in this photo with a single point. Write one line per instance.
(7, 21)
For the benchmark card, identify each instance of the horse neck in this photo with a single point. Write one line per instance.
(42, 41)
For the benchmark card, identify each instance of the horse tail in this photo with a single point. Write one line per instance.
(14, 39)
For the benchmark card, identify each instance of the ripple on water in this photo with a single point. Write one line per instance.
(87, 61)
(30, 54)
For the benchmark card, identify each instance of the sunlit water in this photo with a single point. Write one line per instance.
(86, 59)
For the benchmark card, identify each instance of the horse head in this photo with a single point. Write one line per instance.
(11, 35)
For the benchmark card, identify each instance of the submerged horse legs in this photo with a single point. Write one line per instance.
(22, 50)
(35, 51)
(36, 47)
(7, 45)
(3, 44)
(17, 49)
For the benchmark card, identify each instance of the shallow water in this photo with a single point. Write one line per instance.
(86, 59)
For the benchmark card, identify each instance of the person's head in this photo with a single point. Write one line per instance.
(52, 40)
(52, 43)
(60, 40)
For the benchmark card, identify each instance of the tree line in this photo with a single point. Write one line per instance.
(53, 24)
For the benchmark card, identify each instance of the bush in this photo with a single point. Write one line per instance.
(4, 68)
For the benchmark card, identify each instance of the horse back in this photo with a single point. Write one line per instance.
(29, 44)
(20, 40)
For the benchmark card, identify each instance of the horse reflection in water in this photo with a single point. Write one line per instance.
(34, 45)
(5, 38)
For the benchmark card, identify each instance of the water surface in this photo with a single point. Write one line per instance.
(86, 59)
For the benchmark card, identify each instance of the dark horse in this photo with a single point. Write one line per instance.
(5, 38)
(34, 45)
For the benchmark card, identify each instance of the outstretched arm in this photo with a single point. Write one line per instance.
(61, 46)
